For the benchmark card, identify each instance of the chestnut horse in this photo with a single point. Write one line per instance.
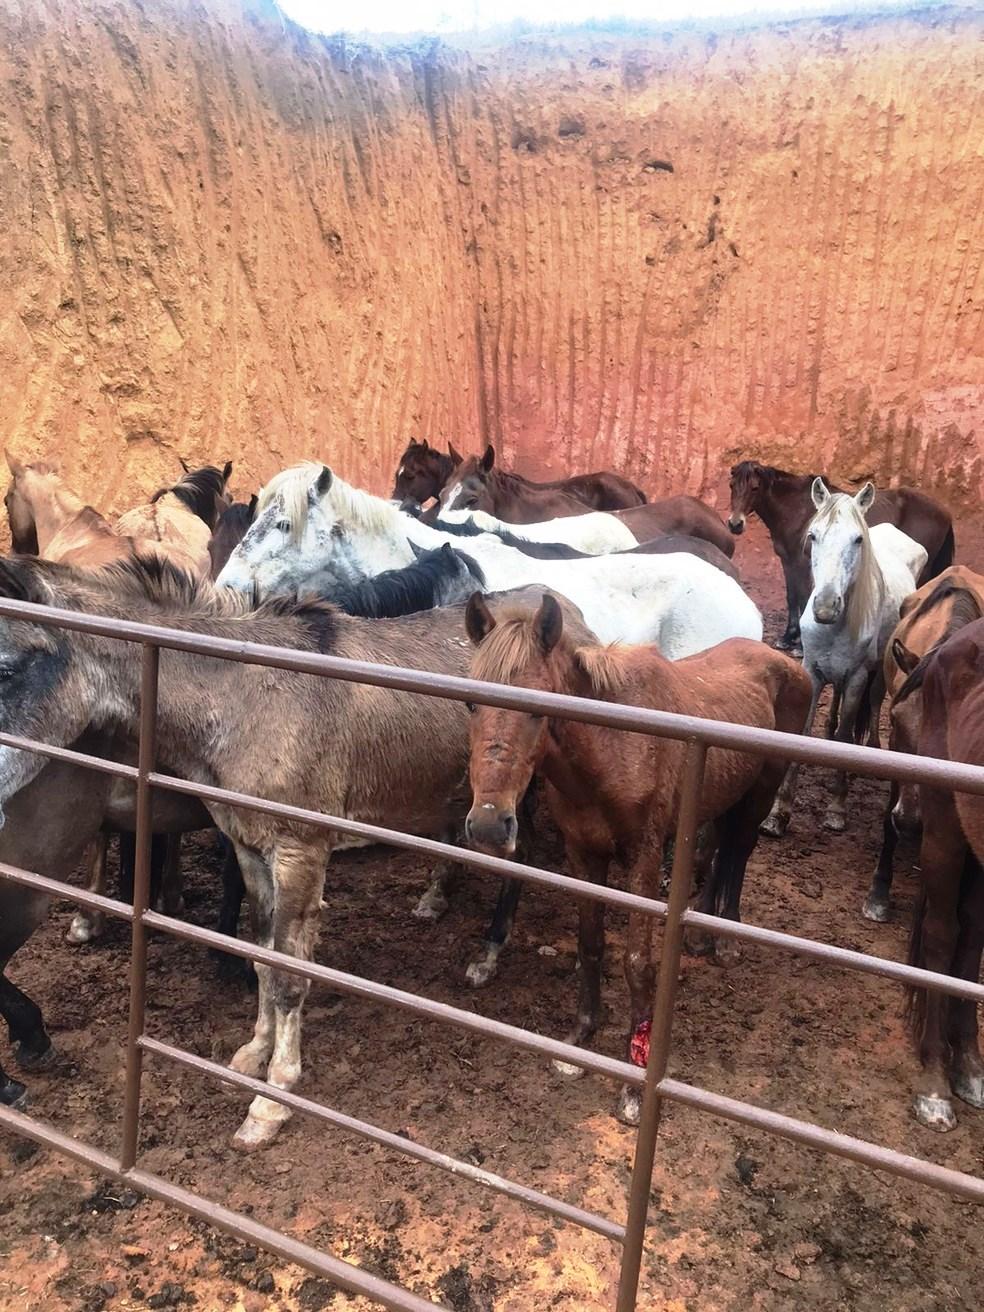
(783, 503)
(939, 609)
(48, 519)
(178, 520)
(476, 484)
(948, 926)
(614, 795)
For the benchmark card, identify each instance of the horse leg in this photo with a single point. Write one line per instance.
(298, 880)
(776, 822)
(233, 891)
(876, 695)
(967, 1069)
(252, 1057)
(877, 905)
(481, 970)
(790, 640)
(433, 903)
(21, 912)
(87, 925)
(26, 1027)
(934, 938)
(592, 867)
(12, 1092)
(643, 877)
(171, 894)
(836, 818)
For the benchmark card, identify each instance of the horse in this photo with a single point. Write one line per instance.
(180, 519)
(442, 577)
(372, 754)
(469, 526)
(948, 925)
(929, 616)
(476, 484)
(861, 577)
(613, 795)
(422, 472)
(310, 522)
(783, 503)
(228, 533)
(48, 519)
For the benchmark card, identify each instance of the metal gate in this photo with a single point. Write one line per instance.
(698, 734)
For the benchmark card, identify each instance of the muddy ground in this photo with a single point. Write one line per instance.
(738, 1220)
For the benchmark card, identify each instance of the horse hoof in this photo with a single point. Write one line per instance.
(431, 907)
(969, 1089)
(934, 1112)
(254, 1134)
(835, 822)
(775, 824)
(13, 1094)
(876, 909)
(81, 931)
(727, 952)
(698, 944)
(568, 1070)
(35, 1061)
(628, 1109)
(479, 973)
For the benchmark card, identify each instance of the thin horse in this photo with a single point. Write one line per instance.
(783, 503)
(614, 795)
(860, 579)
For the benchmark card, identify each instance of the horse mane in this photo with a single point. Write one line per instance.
(196, 490)
(291, 486)
(966, 607)
(603, 667)
(512, 645)
(861, 602)
(404, 591)
(915, 680)
(541, 550)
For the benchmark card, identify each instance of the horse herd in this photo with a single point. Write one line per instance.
(581, 586)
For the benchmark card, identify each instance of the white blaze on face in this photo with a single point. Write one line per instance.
(453, 496)
(401, 471)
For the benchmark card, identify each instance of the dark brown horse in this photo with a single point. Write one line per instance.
(229, 532)
(783, 503)
(930, 616)
(614, 795)
(476, 484)
(948, 927)
(422, 472)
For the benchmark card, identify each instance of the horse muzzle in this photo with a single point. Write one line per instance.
(827, 610)
(492, 829)
(737, 524)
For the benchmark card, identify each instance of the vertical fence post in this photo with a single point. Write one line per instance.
(141, 896)
(659, 1046)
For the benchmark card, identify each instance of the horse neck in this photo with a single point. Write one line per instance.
(784, 506)
(53, 506)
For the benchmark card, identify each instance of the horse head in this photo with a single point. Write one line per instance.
(469, 488)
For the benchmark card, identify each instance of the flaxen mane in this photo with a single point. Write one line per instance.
(863, 599)
(349, 505)
(512, 646)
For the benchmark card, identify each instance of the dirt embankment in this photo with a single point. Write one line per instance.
(222, 236)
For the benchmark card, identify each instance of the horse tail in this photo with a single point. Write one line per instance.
(944, 556)
(915, 997)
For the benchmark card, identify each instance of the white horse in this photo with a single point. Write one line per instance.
(861, 576)
(310, 523)
(596, 532)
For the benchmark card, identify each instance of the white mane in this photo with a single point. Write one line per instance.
(347, 504)
(866, 595)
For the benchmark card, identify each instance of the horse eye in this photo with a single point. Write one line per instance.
(471, 707)
(283, 525)
(858, 540)
(6, 672)
(811, 536)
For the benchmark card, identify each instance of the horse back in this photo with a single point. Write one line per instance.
(923, 518)
(952, 725)
(681, 515)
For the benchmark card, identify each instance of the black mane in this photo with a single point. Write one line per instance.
(404, 591)
(198, 490)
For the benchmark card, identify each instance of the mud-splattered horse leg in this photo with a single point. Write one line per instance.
(251, 1059)
(298, 882)
(592, 867)
(967, 1068)
(21, 912)
(643, 879)
(88, 925)
(228, 966)
(877, 905)
(499, 932)
(777, 821)
(854, 692)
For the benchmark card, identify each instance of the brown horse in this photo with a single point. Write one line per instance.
(948, 927)
(229, 532)
(477, 484)
(178, 520)
(929, 616)
(614, 795)
(784, 504)
(422, 472)
(48, 519)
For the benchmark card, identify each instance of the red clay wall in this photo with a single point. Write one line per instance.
(223, 236)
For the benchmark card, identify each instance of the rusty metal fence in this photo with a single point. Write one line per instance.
(658, 1087)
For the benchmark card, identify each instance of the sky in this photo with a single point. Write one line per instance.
(447, 16)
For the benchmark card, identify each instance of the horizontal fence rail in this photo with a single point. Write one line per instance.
(699, 734)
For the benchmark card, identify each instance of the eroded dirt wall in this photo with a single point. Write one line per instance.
(221, 236)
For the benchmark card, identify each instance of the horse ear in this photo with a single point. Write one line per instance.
(184, 464)
(417, 551)
(325, 480)
(479, 620)
(448, 551)
(905, 659)
(226, 471)
(820, 493)
(488, 459)
(548, 623)
(455, 455)
(14, 465)
(424, 444)
(252, 507)
(865, 497)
